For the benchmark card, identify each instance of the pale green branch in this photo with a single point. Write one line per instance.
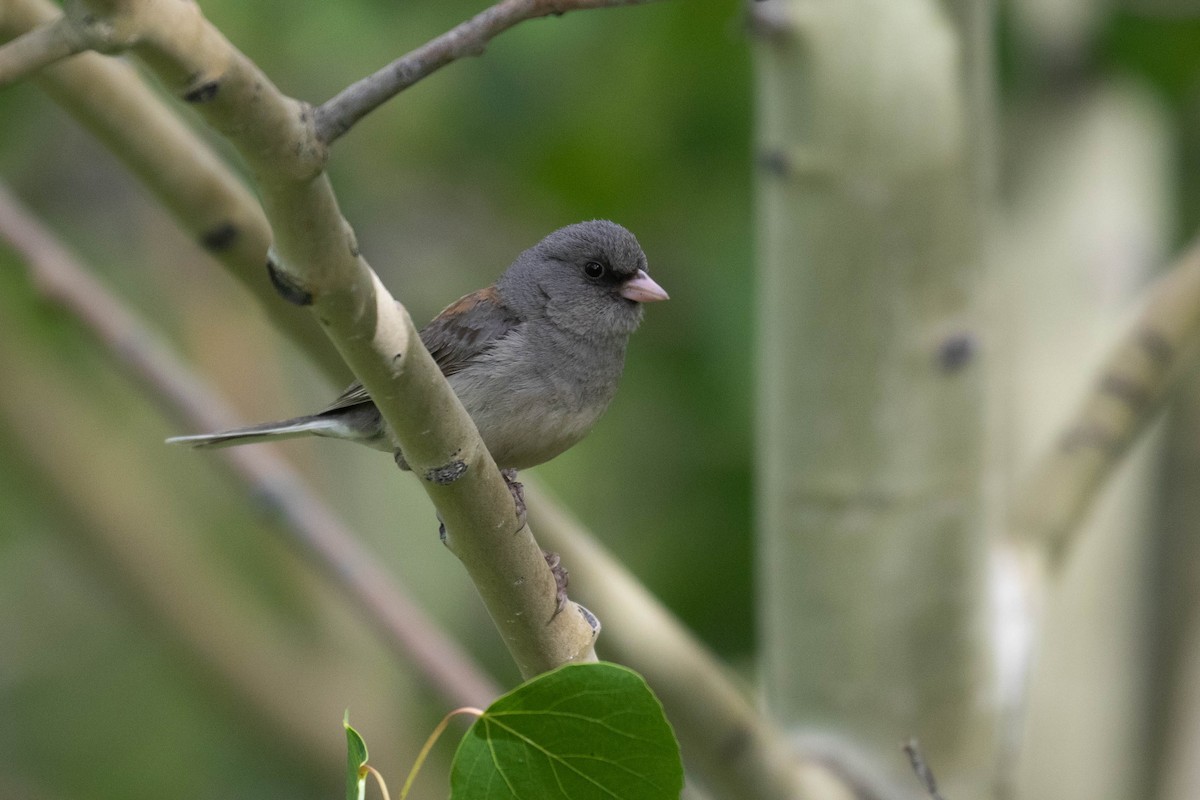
(318, 264)
(1125, 397)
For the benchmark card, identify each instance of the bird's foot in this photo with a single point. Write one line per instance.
(518, 494)
(561, 576)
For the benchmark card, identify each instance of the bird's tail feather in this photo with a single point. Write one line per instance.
(267, 431)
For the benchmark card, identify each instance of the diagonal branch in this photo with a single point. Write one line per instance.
(309, 523)
(317, 264)
(1132, 384)
(337, 115)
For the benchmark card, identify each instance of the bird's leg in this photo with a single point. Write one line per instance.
(518, 494)
(560, 573)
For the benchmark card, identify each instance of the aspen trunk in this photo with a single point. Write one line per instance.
(874, 122)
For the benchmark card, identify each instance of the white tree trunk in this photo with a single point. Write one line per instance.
(874, 124)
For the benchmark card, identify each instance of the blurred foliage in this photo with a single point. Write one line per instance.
(641, 115)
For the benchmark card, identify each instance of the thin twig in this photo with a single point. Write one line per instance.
(37, 49)
(306, 521)
(1124, 399)
(924, 774)
(338, 114)
(430, 741)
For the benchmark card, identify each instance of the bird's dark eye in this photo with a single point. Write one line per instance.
(594, 270)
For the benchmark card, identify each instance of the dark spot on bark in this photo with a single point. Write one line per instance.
(590, 619)
(1087, 436)
(733, 745)
(774, 162)
(203, 93)
(220, 238)
(447, 473)
(956, 351)
(1156, 346)
(1130, 392)
(288, 289)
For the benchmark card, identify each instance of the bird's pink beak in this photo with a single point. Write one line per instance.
(641, 288)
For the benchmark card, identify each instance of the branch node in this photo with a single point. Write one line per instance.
(1157, 347)
(775, 163)
(924, 774)
(447, 473)
(591, 619)
(351, 239)
(1127, 390)
(287, 286)
(219, 238)
(203, 93)
(956, 351)
(109, 33)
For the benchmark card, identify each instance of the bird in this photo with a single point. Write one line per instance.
(535, 358)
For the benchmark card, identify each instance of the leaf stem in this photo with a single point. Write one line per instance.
(379, 779)
(429, 743)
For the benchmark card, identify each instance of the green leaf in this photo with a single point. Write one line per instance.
(579, 732)
(356, 762)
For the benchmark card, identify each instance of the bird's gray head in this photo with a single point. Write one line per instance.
(589, 278)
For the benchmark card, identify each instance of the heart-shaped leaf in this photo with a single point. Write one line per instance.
(579, 732)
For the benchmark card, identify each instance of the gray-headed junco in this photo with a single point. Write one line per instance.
(535, 358)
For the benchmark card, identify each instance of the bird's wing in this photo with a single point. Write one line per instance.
(355, 394)
(466, 328)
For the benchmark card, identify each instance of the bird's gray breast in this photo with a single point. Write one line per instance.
(532, 397)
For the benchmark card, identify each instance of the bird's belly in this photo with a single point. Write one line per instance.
(533, 433)
(528, 414)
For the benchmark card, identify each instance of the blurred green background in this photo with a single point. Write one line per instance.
(117, 554)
